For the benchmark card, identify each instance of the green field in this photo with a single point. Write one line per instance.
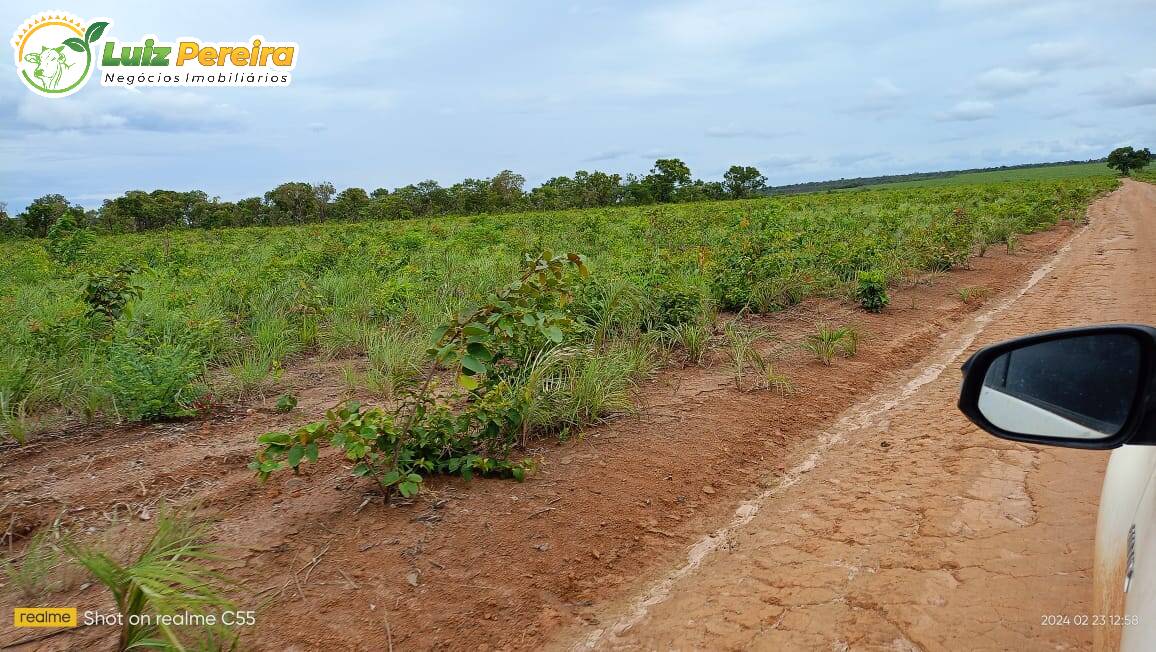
(1047, 172)
(199, 318)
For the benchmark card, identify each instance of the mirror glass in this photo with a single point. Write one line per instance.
(1079, 387)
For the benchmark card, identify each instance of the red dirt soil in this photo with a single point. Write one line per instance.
(490, 564)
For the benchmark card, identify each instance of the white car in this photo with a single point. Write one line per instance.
(1091, 387)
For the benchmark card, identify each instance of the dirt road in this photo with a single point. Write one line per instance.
(908, 528)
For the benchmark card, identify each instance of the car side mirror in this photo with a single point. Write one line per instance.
(1085, 387)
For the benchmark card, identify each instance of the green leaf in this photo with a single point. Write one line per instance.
(479, 351)
(95, 31)
(275, 438)
(519, 473)
(474, 329)
(311, 451)
(554, 333)
(468, 382)
(528, 319)
(295, 455)
(390, 478)
(473, 364)
(413, 477)
(76, 44)
(408, 489)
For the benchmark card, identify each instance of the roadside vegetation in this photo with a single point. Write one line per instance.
(165, 325)
(299, 202)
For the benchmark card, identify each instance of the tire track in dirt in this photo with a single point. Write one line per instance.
(911, 528)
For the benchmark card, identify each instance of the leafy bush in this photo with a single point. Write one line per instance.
(285, 403)
(68, 241)
(154, 382)
(674, 306)
(108, 293)
(872, 290)
(488, 348)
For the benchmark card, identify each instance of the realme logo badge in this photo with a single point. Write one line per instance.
(44, 617)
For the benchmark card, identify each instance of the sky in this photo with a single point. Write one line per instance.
(386, 94)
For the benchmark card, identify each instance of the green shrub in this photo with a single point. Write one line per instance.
(108, 293)
(872, 290)
(488, 347)
(674, 307)
(150, 382)
(285, 403)
(68, 241)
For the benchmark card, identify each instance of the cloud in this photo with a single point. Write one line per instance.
(1005, 82)
(1136, 89)
(1055, 55)
(883, 96)
(972, 5)
(850, 159)
(63, 116)
(786, 161)
(732, 131)
(728, 24)
(154, 110)
(608, 155)
(967, 111)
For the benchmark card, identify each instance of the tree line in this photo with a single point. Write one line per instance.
(669, 180)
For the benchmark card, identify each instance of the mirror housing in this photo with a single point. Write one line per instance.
(1139, 417)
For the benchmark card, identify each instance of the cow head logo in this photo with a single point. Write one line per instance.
(55, 52)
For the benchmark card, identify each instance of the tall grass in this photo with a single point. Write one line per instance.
(247, 302)
(828, 341)
(169, 576)
(571, 388)
(35, 572)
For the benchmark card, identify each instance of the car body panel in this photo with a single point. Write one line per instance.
(1128, 499)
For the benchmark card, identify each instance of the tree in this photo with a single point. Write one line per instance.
(43, 212)
(292, 203)
(556, 193)
(742, 181)
(9, 228)
(250, 212)
(350, 204)
(323, 192)
(666, 177)
(425, 198)
(470, 196)
(1126, 159)
(699, 190)
(597, 188)
(506, 190)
